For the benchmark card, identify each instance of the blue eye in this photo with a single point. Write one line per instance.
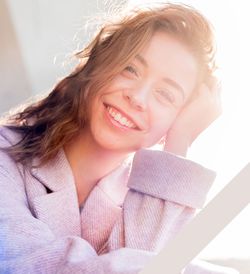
(131, 70)
(167, 95)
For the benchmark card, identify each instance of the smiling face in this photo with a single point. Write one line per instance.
(140, 104)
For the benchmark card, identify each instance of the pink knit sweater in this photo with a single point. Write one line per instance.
(127, 218)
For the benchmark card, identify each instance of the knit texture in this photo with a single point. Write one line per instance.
(120, 227)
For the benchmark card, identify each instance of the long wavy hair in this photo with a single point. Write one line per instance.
(47, 124)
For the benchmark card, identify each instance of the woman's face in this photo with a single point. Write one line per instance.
(140, 104)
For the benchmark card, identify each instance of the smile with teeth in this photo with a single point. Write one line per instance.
(118, 117)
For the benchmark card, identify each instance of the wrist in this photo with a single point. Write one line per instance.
(177, 144)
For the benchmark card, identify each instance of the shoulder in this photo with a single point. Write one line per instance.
(8, 136)
(8, 166)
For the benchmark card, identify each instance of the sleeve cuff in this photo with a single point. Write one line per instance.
(170, 177)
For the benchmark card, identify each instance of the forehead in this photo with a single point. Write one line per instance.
(165, 57)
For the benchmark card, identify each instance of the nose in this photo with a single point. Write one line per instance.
(136, 98)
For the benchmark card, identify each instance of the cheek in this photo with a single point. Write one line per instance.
(159, 127)
(158, 131)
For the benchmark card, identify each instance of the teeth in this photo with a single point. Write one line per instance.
(123, 121)
(119, 118)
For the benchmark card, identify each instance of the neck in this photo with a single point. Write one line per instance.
(89, 163)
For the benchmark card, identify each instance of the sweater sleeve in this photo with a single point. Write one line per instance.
(164, 192)
(28, 245)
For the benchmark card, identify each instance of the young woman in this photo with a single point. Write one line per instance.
(72, 199)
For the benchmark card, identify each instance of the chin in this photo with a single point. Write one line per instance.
(115, 144)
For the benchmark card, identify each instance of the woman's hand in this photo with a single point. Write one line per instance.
(195, 117)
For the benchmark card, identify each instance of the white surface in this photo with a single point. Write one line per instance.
(225, 146)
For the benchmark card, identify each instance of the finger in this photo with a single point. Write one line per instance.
(209, 101)
(216, 93)
(212, 94)
(214, 85)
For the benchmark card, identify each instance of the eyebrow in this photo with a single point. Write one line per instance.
(165, 79)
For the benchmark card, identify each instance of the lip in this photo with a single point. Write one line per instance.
(123, 114)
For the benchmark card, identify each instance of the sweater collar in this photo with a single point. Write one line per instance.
(55, 174)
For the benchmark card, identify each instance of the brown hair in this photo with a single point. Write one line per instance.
(48, 124)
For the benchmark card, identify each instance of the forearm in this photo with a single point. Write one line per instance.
(165, 191)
